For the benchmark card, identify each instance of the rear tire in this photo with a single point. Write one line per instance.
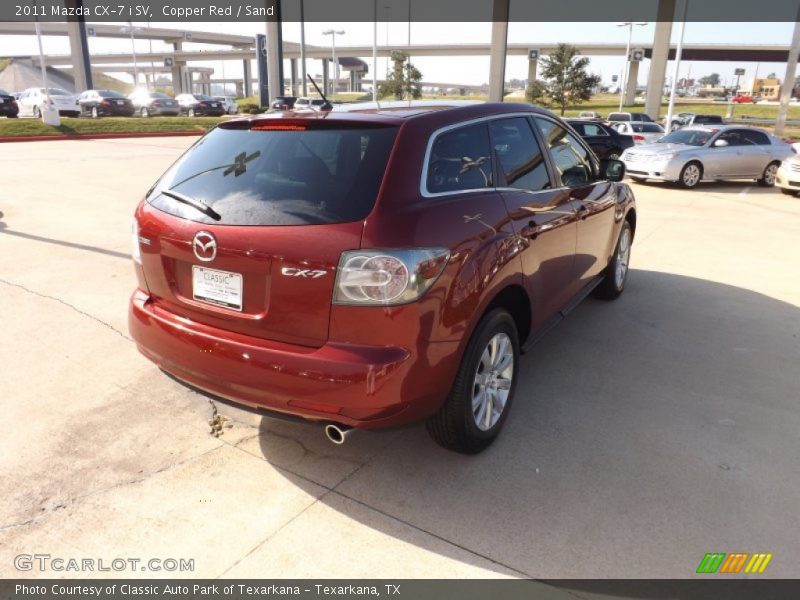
(144, 112)
(37, 114)
(616, 275)
(614, 154)
(788, 192)
(95, 112)
(191, 112)
(469, 421)
(768, 176)
(637, 179)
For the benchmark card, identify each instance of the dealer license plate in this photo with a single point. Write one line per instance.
(219, 288)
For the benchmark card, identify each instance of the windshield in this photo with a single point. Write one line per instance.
(278, 177)
(647, 128)
(689, 137)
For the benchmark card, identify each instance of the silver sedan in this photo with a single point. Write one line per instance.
(693, 154)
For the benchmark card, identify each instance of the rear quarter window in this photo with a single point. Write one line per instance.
(460, 160)
(279, 177)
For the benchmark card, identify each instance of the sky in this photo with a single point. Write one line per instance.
(465, 70)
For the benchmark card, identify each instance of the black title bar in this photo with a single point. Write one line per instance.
(444, 11)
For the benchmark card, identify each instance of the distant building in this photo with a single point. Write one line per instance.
(768, 88)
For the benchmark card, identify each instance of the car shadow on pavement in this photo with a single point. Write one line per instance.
(644, 434)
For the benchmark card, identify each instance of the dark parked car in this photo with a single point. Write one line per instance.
(282, 103)
(369, 267)
(150, 104)
(8, 105)
(200, 105)
(628, 117)
(606, 141)
(104, 103)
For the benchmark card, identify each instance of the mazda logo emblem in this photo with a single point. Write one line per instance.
(205, 246)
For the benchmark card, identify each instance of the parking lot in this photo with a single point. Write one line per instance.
(645, 432)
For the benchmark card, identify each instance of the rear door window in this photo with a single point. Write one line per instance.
(460, 159)
(590, 129)
(572, 160)
(520, 160)
(759, 138)
(279, 176)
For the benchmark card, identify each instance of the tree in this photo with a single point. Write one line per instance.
(403, 81)
(566, 79)
(536, 92)
(712, 80)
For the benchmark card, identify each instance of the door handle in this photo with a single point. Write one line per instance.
(582, 212)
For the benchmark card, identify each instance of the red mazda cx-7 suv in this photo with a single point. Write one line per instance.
(373, 266)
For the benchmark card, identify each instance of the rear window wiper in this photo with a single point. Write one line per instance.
(198, 204)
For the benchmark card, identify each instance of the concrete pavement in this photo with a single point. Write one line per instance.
(645, 432)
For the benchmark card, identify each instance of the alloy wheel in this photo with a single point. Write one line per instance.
(492, 383)
(769, 174)
(691, 175)
(623, 257)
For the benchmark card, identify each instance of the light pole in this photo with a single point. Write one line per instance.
(388, 16)
(623, 89)
(678, 52)
(375, 52)
(333, 33)
(303, 76)
(131, 29)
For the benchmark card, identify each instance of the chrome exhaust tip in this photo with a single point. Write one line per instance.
(337, 434)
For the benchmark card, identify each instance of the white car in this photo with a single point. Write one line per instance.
(642, 133)
(229, 103)
(32, 100)
(788, 176)
(694, 154)
(309, 104)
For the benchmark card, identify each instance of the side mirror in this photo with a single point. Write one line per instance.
(720, 143)
(612, 169)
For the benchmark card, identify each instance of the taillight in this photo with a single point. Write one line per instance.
(638, 138)
(387, 277)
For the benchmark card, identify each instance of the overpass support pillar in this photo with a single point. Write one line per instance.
(248, 78)
(324, 76)
(789, 78)
(631, 81)
(533, 65)
(79, 49)
(658, 62)
(181, 79)
(497, 57)
(274, 57)
(293, 77)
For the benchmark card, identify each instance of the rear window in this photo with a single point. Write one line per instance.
(619, 117)
(109, 94)
(707, 119)
(277, 177)
(647, 128)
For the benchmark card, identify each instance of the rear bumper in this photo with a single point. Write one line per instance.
(11, 110)
(352, 384)
(173, 111)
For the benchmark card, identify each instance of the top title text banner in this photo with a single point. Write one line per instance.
(398, 10)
